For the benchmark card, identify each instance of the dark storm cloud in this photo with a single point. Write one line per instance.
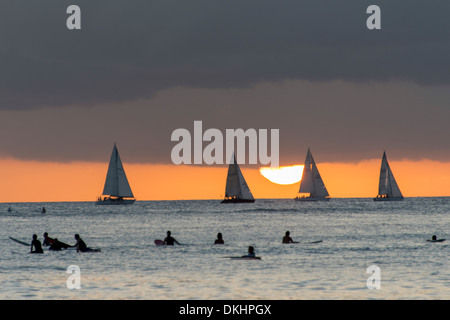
(132, 49)
(340, 121)
(140, 69)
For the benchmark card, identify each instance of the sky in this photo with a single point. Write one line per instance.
(138, 70)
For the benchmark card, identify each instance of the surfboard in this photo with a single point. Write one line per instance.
(438, 240)
(21, 242)
(244, 258)
(92, 250)
(159, 242)
(318, 241)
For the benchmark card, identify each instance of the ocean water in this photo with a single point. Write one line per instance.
(356, 234)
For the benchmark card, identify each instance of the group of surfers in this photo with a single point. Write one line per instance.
(170, 241)
(54, 244)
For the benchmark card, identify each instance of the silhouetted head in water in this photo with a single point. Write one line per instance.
(168, 233)
(287, 233)
(219, 239)
(433, 237)
(77, 236)
(34, 236)
(251, 250)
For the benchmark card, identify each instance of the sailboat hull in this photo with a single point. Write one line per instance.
(238, 201)
(312, 199)
(388, 199)
(115, 201)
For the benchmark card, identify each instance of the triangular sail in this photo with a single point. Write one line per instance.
(236, 185)
(395, 190)
(116, 183)
(384, 185)
(312, 182)
(388, 186)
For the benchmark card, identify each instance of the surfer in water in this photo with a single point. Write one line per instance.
(81, 246)
(251, 253)
(219, 239)
(43, 210)
(36, 244)
(47, 241)
(169, 240)
(287, 238)
(435, 239)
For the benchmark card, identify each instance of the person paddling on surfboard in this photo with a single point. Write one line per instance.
(219, 239)
(169, 240)
(251, 253)
(81, 246)
(435, 239)
(287, 238)
(36, 244)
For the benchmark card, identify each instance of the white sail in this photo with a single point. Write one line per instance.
(387, 185)
(236, 185)
(383, 186)
(116, 183)
(312, 182)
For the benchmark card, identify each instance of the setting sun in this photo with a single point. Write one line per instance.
(283, 175)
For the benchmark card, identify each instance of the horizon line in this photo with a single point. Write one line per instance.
(218, 199)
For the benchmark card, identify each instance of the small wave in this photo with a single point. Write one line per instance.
(360, 249)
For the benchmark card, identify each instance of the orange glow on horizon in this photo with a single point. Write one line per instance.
(32, 181)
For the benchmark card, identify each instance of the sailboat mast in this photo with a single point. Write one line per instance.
(116, 169)
(238, 178)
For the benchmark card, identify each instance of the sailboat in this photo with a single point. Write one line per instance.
(236, 190)
(117, 189)
(388, 189)
(312, 187)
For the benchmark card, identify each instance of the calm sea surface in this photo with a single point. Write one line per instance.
(356, 234)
